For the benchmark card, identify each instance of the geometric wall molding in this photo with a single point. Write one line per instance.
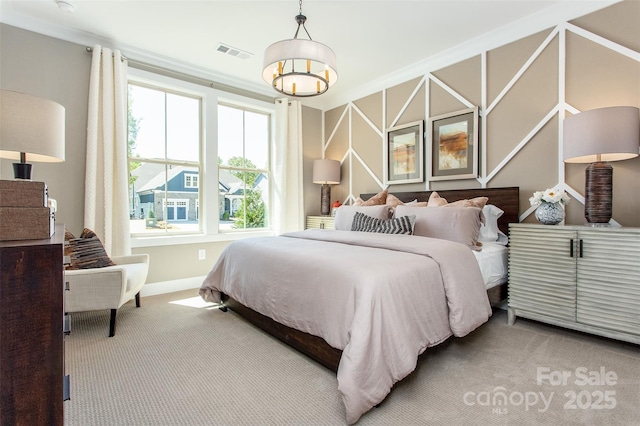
(549, 60)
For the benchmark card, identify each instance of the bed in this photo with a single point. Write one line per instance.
(370, 317)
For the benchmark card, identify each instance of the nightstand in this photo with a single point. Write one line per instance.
(579, 277)
(321, 222)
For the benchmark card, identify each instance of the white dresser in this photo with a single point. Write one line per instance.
(579, 277)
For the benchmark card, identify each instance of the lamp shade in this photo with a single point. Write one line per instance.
(605, 134)
(326, 171)
(31, 125)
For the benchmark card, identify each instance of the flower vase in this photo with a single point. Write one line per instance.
(550, 213)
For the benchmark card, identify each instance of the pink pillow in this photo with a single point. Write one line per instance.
(435, 200)
(459, 224)
(378, 199)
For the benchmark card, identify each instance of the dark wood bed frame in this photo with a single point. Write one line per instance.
(315, 347)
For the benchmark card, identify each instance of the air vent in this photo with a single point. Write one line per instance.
(232, 51)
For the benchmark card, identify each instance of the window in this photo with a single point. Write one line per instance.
(198, 161)
(243, 159)
(164, 159)
(190, 180)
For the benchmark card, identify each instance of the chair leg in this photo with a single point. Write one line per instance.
(138, 300)
(112, 323)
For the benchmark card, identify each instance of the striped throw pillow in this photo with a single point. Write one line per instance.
(86, 252)
(398, 225)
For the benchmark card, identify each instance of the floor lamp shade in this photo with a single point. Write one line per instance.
(31, 128)
(596, 137)
(326, 172)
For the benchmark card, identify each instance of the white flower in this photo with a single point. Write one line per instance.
(550, 196)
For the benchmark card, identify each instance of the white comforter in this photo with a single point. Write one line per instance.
(382, 299)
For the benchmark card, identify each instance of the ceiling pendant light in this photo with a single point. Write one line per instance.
(300, 67)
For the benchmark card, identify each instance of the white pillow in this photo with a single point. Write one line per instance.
(345, 214)
(489, 231)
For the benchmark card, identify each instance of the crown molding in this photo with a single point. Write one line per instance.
(546, 19)
(552, 16)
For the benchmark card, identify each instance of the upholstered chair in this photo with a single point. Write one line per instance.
(106, 288)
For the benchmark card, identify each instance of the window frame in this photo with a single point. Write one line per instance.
(208, 177)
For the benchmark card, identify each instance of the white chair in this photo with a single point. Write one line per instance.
(106, 288)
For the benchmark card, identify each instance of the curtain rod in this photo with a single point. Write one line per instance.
(193, 79)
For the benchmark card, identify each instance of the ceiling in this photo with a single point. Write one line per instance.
(376, 42)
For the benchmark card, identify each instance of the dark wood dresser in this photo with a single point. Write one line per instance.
(31, 331)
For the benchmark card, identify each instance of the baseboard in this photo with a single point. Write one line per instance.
(153, 289)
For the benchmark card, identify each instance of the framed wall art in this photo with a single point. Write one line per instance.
(404, 153)
(454, 145)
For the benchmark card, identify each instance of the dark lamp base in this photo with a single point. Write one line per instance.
(325, 200)
(598, 193)
(22, 171)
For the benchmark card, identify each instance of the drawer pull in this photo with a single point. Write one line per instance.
(66, 325)
(66, 388)
(571, 247)
(581, 246)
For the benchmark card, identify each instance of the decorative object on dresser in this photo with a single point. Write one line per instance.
(549, 205)
(31, 332)
(597, 137)
(32, 129)
(24, 211)
(326, 172)
(579, 277)
(299, 67)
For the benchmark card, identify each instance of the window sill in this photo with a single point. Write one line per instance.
(170, 240)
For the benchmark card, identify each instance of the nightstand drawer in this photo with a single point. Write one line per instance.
(320, 222)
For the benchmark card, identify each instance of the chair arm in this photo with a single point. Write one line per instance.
(132, 258)
(94, 289)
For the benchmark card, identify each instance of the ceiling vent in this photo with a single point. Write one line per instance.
(232, 51)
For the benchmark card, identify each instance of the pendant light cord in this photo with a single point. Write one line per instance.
(301, 19)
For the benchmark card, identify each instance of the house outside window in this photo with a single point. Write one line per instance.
(243, 167)
(165, 129)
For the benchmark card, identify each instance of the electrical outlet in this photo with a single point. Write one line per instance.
(202, 254)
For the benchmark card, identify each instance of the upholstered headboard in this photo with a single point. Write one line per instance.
(507, 199)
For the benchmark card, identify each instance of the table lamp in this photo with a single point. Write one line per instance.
(326, 172)
(31, 128)
(598, 137)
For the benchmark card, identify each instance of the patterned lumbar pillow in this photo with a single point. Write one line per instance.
(86, 252)
(398, 225)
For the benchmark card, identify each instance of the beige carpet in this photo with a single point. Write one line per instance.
(174, 364)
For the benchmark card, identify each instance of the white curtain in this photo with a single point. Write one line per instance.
(288, 211)
(106, 204)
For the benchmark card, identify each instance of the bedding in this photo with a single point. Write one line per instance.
(493, 262)
(489, 231)
(381, 299)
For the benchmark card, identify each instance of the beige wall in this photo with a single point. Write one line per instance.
(52, 69)
(520, 138)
